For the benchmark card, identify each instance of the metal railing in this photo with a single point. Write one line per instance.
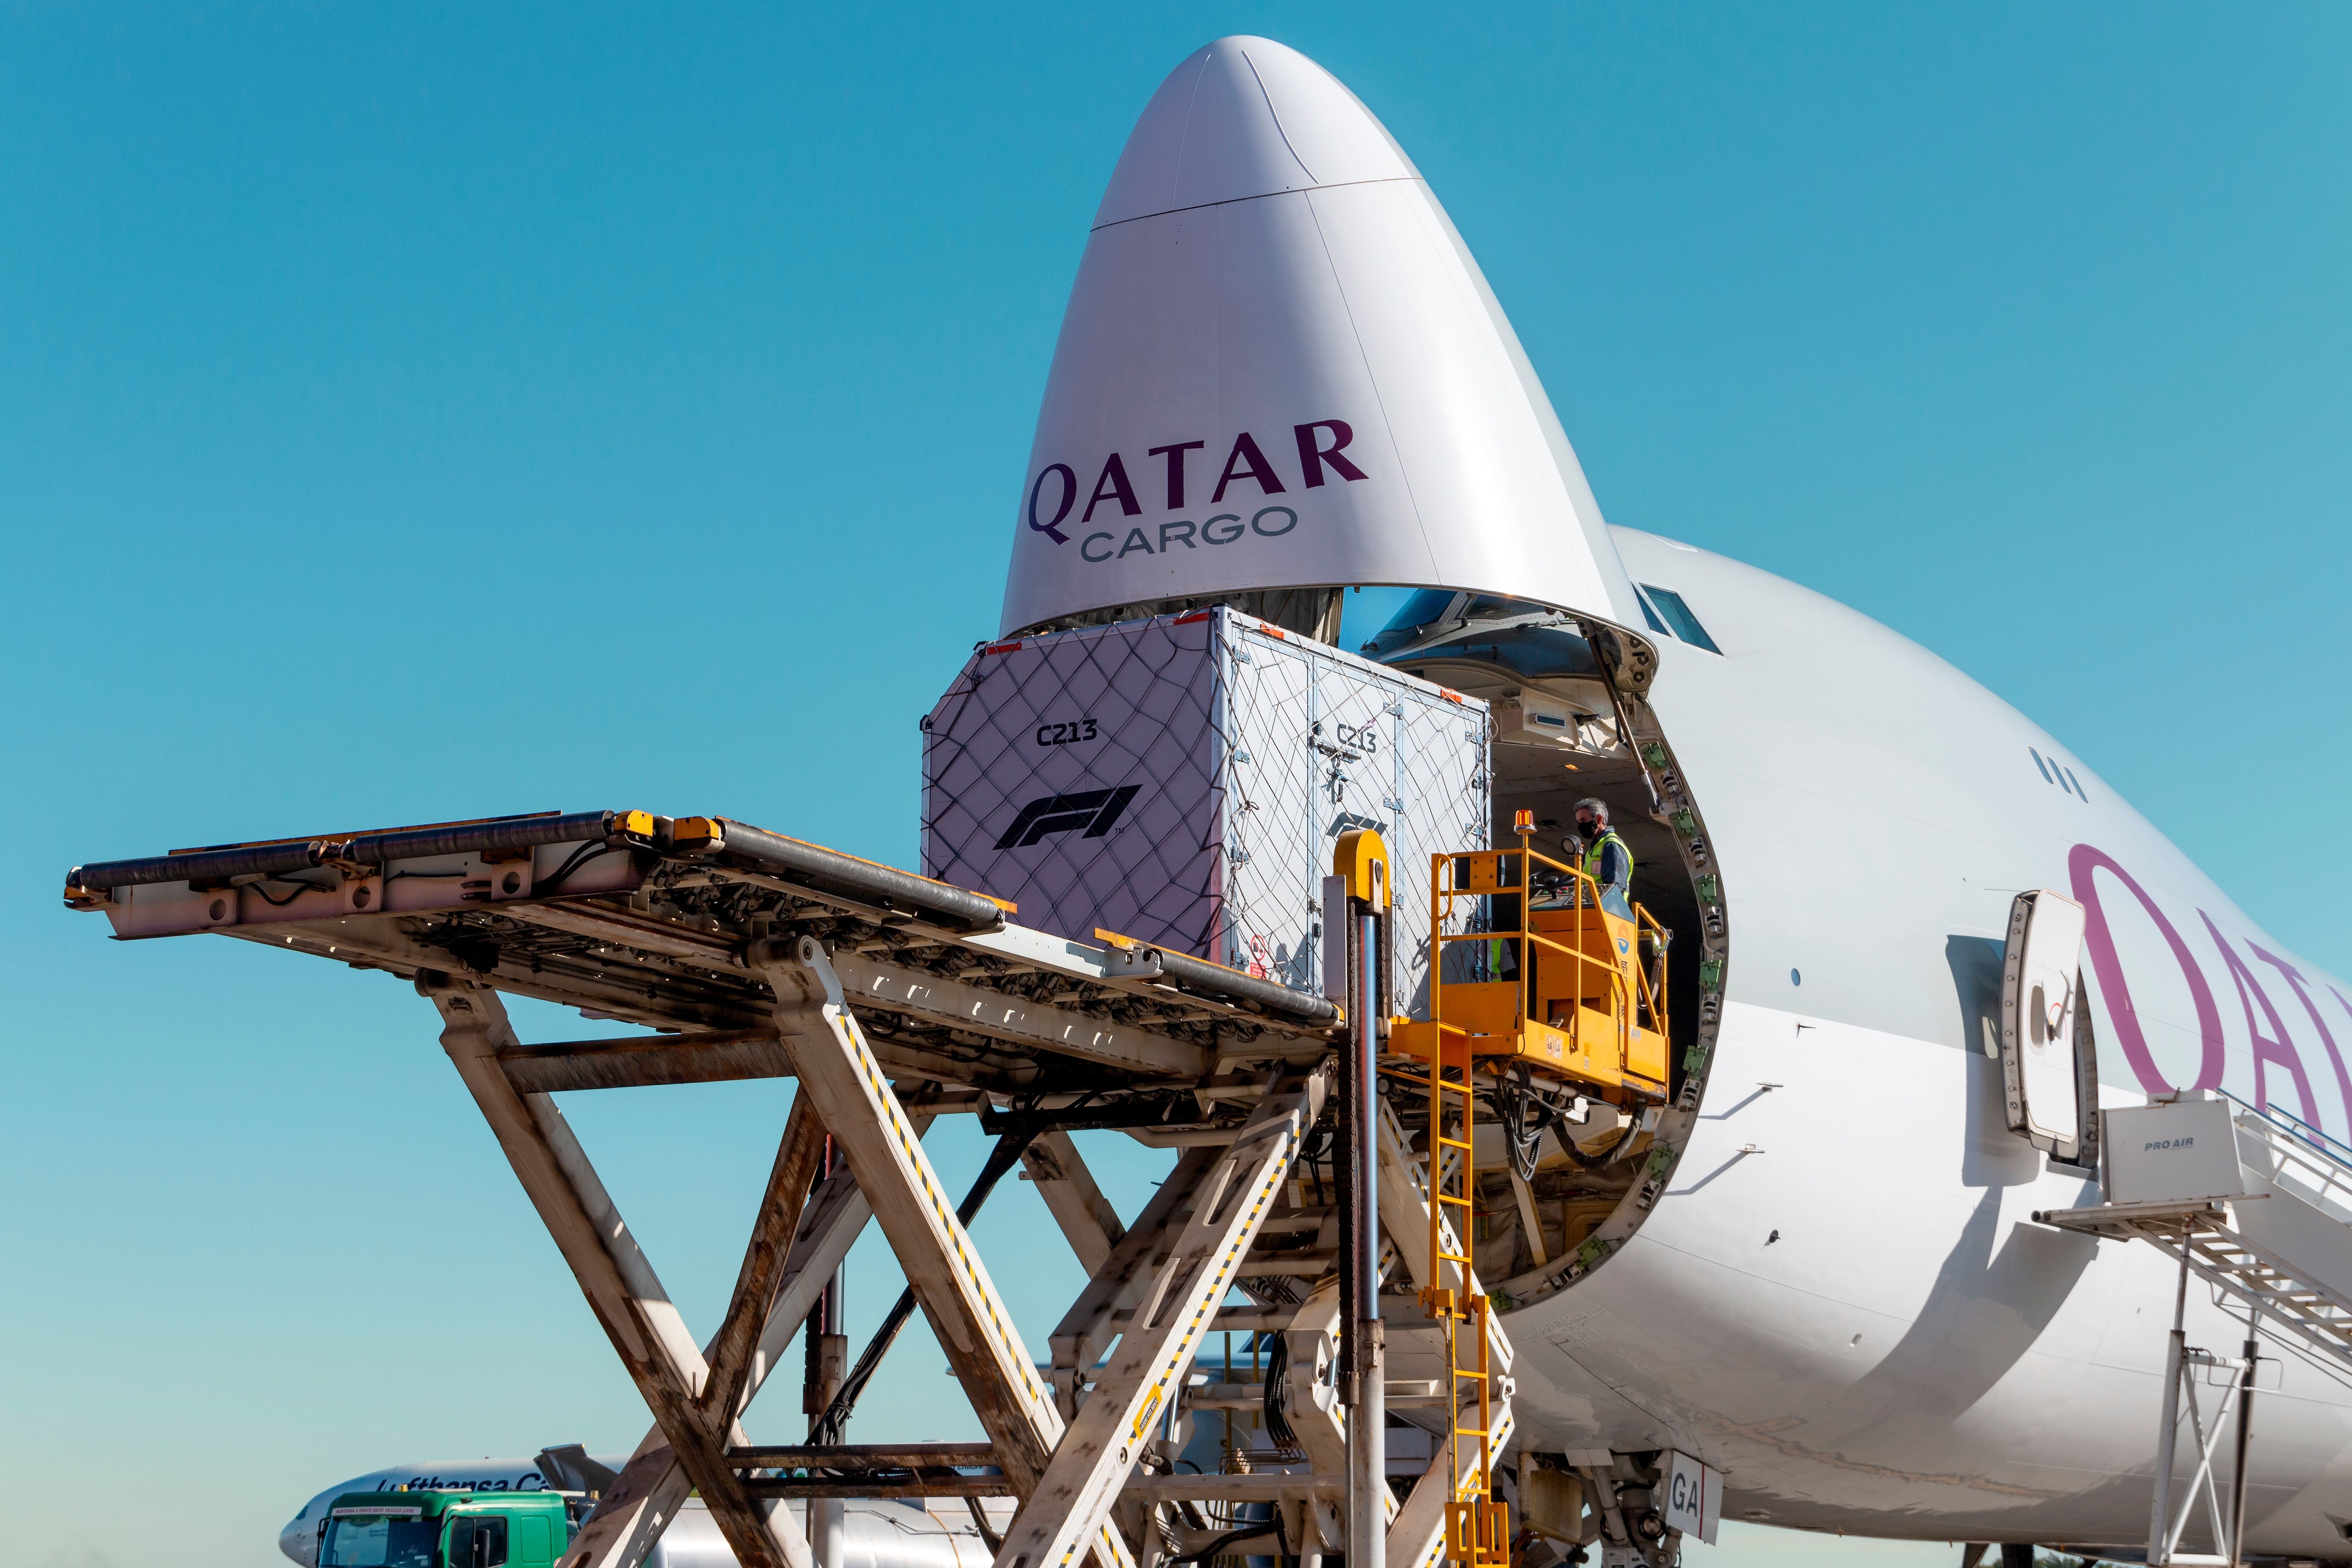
(1505, 879)
(2322, 1165)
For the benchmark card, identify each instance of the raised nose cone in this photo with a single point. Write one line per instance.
(1280, 368)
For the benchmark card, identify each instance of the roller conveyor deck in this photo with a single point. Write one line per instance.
(646, 919)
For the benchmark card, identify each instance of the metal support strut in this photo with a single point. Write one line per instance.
(1073, 1502)
(838, 1073)
(1360, 870)
(2168, 1523)
(825, 1353)
(636, 1313)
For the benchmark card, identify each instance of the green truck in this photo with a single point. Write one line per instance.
(405, 1529)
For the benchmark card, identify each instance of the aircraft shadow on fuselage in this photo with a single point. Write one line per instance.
(1991, 1154)
(1986, 1308)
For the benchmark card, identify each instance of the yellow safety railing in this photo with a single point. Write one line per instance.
(1653, 974)
(1508, 966)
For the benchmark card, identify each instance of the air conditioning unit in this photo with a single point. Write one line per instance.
(1526, 720)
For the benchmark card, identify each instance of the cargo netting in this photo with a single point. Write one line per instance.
(1182, 780)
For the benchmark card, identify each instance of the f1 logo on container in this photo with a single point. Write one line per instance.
(1095, 810)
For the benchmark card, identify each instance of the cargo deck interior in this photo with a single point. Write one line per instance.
(1558, 738)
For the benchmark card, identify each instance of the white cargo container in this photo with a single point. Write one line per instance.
(1182, 780)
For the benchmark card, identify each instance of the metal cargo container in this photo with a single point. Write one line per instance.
(1182, 780)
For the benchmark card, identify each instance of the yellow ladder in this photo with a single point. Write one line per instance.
(1477, 1524)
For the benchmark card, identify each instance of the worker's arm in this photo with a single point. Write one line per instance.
(1616, 866)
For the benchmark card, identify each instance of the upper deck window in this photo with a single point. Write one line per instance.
(1677, 615)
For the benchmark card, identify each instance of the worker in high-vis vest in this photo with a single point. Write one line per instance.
(1606, 859)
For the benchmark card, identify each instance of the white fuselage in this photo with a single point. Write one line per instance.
(1842, 1301)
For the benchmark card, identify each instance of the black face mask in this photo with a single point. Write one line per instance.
(1590, 830)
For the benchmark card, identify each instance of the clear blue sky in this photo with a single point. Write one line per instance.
(413, 412)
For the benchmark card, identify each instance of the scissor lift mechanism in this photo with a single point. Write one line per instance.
(893, 1000)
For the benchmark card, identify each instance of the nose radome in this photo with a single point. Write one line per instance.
(1247, 117)
(296, 1543)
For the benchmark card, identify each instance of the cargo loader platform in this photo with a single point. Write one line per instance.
(644, 919)
(894, 999)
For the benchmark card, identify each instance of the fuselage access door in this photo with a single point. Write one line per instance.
(2048, 1068)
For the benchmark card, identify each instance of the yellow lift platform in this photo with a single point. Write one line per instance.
(1553, 980)
(1532, 969)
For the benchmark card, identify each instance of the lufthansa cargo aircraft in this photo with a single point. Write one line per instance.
(1281, 374)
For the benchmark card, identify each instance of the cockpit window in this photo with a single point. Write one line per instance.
(1678, 617)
